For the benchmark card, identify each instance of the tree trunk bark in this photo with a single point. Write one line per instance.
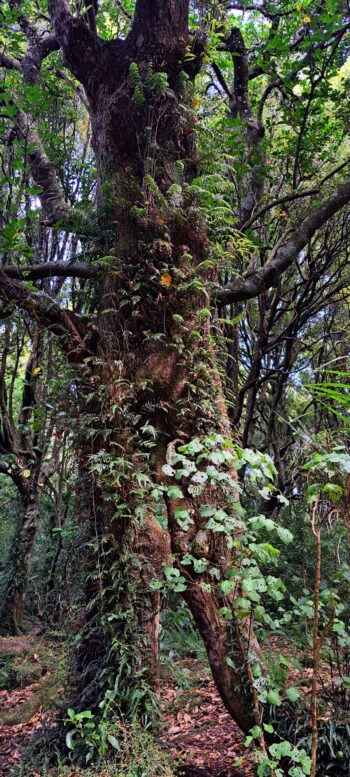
(154, 383)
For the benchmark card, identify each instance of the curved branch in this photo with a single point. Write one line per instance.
(36, 52)
(72, 331)
(293, 196)
(221, 80)
(42, 170)
(286, 251)
(9, 63)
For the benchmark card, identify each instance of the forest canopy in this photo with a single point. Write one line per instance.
(174, 380)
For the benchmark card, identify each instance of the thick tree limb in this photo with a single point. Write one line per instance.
(9, 63)
(293, 196)
(38, 46)
(73, 331)
(42, 170)
(236, 47)
(37, 51)
(51, 270)
(254, 181)
(80, 46)
(286, 251)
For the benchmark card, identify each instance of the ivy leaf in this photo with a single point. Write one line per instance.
(174, 492)
(227, 586)
(292, 694)
(206, 511)
(281, 749)
(274, 698)
(155, 585)
(168, 470)
(199, 477)
(200, 565)
(183, 518)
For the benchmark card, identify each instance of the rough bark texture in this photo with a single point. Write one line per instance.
(153, 371)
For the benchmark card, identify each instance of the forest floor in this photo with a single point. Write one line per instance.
(32, 678)
(196, 730)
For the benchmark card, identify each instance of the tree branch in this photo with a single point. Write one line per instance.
(236, 47)
(221, 80)
(37, 51)
(293, 196)
(9, 63)
(255, 158)
(42, 170)
(286, 251)
(37, 272)
(81, 47)
(72, 330)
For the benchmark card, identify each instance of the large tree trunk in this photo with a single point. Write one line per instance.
(19, 565)
(155, 382)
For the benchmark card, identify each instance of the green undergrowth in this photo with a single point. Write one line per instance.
(138, 755)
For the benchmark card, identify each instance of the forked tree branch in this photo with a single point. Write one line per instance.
(36, 52)
(293, 196)
(81, 46)
(286, 251)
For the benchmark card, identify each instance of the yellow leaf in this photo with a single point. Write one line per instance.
(36, 371)
(26, 473)
(298, 7)
(307, 19)
(165, 280)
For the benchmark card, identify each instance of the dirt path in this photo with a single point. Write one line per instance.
(200, 734)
